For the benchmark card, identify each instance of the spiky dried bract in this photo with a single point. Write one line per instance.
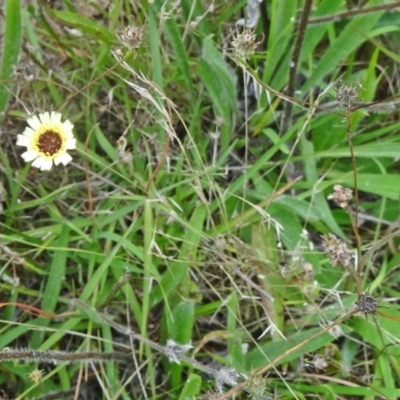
(47, 140)
(36, 375)
(174, 350)
(132, 37)
(366, 304)
(257, 386)
(336, 250)
(244, 43)
(341, 196)
(347, 95)
(226, 376)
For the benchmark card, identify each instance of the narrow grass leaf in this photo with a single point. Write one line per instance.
(370, 150)
(383, 185)
(57, 271)
(181, 55)
(178, 270)
(156, 64)
(86, 25)
(11, 47)
(180, 328)
(353, 35)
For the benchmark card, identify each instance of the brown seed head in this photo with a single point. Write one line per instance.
(347, 95)
(366, 303)
(341, 196)
(337, 251)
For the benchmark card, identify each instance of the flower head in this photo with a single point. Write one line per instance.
(347, 95)
(341, 196)
(244, 43)
(132, 37)
(36, 375)
(47, 139)
(336, 250)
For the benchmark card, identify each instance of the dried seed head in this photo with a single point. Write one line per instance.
(257, 386)
(23, 72)
(341, 196)
(226, 376)
(336, 250)
(36, 375)
(347, 95)
(366, 303)
(244, 43)
(174, 350)
(319, 362)
(132, 37)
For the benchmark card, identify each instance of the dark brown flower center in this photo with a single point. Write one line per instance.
(49, 142)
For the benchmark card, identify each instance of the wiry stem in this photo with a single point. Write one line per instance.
(286, 353)
(172, 350)
(59, 357)
(356, 201)
(287, 113)
(353, 13)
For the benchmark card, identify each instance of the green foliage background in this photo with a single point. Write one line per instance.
(230, 217)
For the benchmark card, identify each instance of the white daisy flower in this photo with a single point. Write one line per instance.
(47, 139)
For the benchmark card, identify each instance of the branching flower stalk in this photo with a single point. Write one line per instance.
(173, 351)
(267, 367)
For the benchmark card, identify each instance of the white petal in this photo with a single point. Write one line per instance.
(64, 158)
(30, 155)
(34, 122)
(23, 141)
(45, 118)
(28, 132)
(43, 163)
(70, 143)
(55, 117)
(67, 126)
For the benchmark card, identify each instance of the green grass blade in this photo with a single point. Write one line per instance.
(11, 47)
(353, 35)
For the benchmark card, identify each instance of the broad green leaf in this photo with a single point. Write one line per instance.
(191, 388)
(218, 79)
